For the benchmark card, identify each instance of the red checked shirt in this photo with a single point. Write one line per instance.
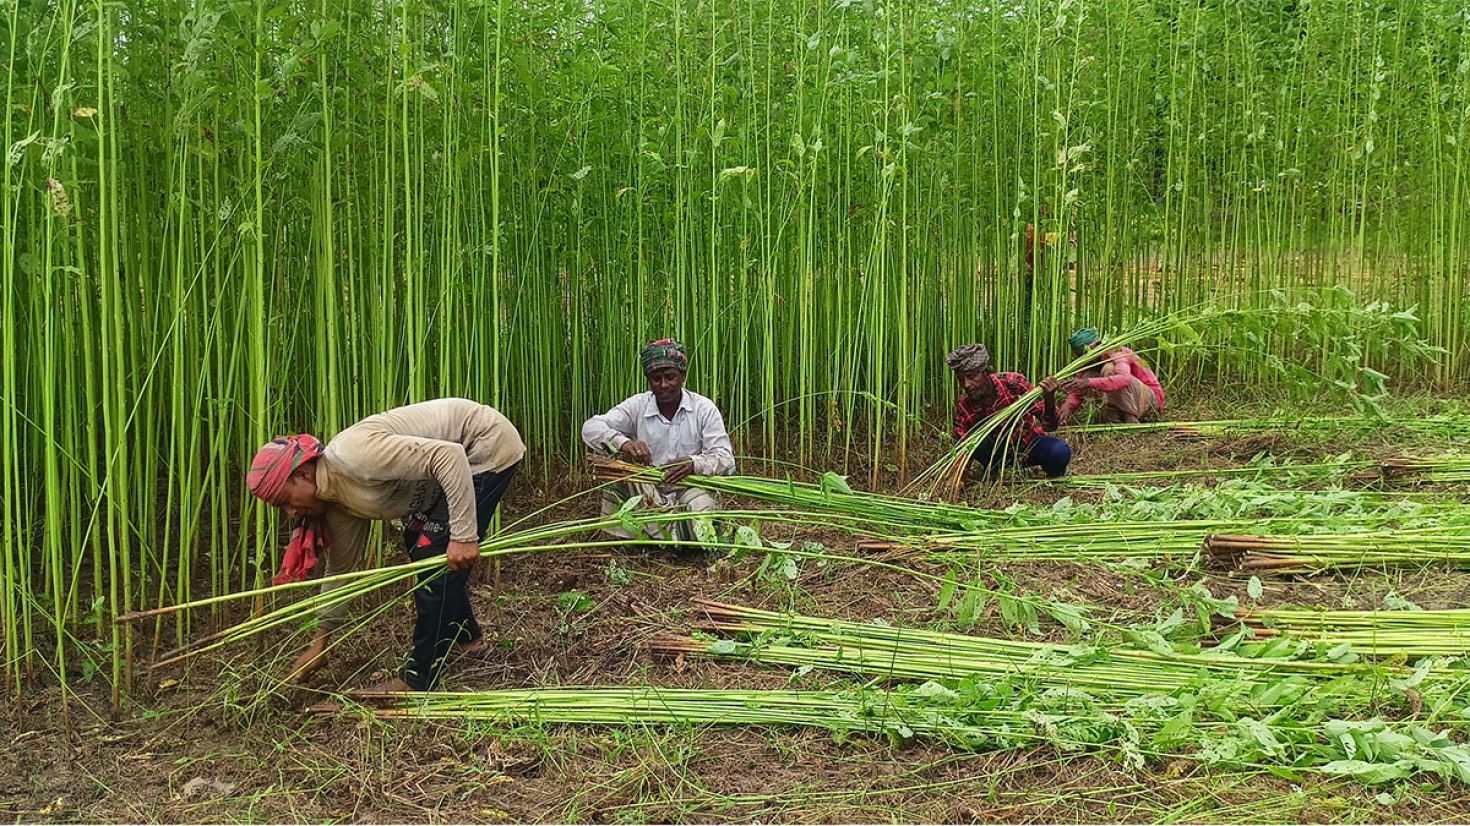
(1008, 388)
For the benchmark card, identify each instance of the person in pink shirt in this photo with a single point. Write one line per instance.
(1129, 391)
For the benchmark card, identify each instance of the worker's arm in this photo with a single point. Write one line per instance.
(1048, 405)
(1074, 400)
(1117, 374)
(381, 454)
(716, 457)
(347, 552)
(1049, 421)
(616, 431)
(414, 458)
(1071, 405)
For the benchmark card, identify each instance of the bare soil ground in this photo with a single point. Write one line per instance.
(218, 742)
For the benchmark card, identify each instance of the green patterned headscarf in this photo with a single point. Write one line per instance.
(665, 352)
(1083, 337)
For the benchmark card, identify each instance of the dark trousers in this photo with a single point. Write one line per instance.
(442, 598)
(1049, 453)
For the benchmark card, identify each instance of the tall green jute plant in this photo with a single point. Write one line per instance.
(322, 215)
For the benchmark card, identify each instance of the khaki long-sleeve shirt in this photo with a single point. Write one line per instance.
(397, 463)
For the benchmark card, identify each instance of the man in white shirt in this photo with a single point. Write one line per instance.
(668, 427)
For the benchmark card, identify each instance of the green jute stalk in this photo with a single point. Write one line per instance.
(1301, 552)
(832, 494)
(1110, 674)
(1437, 425)
(1442, 633)
(1447, 546)
(974, 723)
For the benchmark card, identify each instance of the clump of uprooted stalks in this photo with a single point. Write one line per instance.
(1262, 713)
(1387, 633)
(1111, 674)
(1440, 425)
(1245, 554)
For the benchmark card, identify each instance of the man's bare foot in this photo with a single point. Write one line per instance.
(392, 686)
(308, 662)
(472, 648)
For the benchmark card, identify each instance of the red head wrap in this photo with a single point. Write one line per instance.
(269, 470)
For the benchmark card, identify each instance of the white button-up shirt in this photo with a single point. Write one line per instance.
(697, 431)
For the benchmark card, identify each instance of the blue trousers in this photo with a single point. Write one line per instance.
(1049, 453)
(442, 598)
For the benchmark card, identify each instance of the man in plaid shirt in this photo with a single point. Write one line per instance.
(984, 392)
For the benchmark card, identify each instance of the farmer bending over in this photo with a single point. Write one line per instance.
(1130, 392)
(984, 392)
(669, 427)
(441, 467)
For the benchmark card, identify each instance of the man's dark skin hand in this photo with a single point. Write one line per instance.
(462, 555)
(1049, 421)
(636, 452)
(675, 471)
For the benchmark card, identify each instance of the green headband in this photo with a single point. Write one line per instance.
(1083, 337)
